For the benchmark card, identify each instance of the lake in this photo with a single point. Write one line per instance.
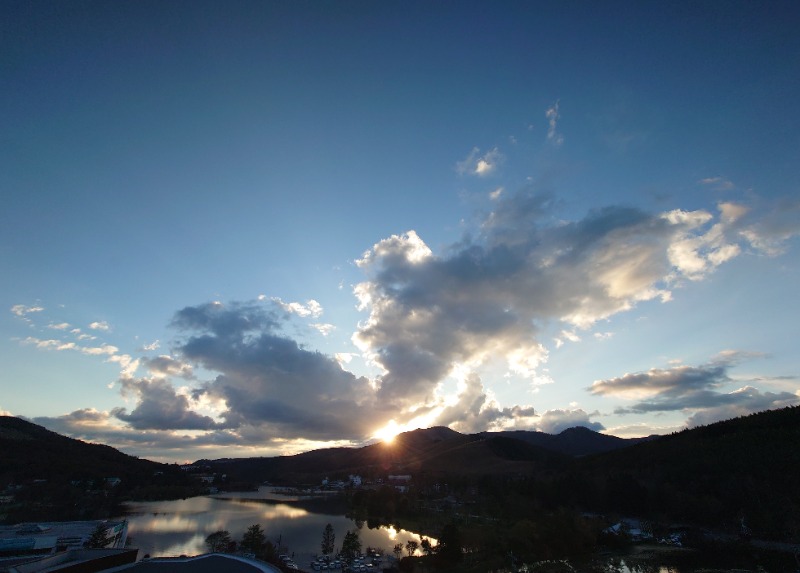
(180, 527)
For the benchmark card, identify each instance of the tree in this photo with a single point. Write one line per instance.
(254, 541)
(397, 550)
(99, 538)
(328, 540)
(425, 545)
(351, 546)
(219, 541)
(449, 548)
(411, 547)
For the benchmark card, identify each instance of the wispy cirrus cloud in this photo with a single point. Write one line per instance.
(553, 115)
(718, 183)
(54, 344)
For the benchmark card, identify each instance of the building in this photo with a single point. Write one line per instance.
(46, 538)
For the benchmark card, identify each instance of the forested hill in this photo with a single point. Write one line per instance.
(30, 452)
(741, 469)
(577, 441)
(49, 477)
(432, 451)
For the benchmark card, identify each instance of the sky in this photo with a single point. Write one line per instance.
(257, 228)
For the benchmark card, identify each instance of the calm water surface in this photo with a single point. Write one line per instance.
(171, 528)
(180, 527)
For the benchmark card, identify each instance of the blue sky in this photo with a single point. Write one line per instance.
(252, 228)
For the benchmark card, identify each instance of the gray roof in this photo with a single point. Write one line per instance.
(208, 563)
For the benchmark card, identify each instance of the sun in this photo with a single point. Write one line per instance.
(388, 432)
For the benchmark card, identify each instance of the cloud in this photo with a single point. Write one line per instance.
(556, 421)
(643, 430)
(128, 365)
(171, 445)
(267, 380)
(101, 325)
(742, 402)
(482, 300)
(22, 311)
(696, 253)
(553, 136)
(769, 232)
(50, 344)
(718, 183)
(566, 335)
(166, 366)
(680, 381)
(155, 345)
(311, 308)
(692, 389)
(58, 326)
(480, 165)
(160, 407)
(323, 328)
(475, 411)
(485, 297)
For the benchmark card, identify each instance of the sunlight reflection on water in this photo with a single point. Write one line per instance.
(179, 527)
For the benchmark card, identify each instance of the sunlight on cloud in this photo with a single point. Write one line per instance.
(480, 165)
(312, 308)
(323, 328)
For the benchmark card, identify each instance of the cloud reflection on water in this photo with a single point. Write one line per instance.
(179, 527)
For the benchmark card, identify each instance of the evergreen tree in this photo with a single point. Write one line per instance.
(450, 547)
(328, 540)
(351, 546)
(254, 541)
